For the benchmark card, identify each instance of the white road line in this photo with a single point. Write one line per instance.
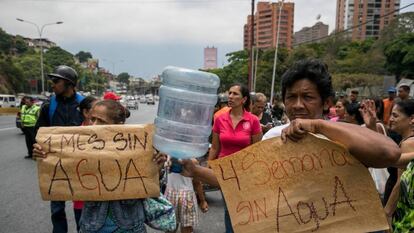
(4, 129)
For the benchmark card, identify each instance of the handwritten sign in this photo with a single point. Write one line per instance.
(311, 186)
(107, 162)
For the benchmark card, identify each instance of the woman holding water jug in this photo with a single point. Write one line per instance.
(234, 130)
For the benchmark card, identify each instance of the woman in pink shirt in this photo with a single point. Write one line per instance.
(234, 130)
(340, 110)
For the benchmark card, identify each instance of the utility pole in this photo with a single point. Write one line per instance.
(275, 57)
(40, 32)
(251, 52)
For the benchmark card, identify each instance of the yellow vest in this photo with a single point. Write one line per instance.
(29, 115)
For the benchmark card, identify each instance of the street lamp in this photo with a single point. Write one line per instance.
(277, 46)
(40, 31)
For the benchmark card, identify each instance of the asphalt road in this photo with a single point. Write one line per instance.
(22, 209)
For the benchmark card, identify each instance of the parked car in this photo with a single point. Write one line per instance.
(132, 104)
(150, 100)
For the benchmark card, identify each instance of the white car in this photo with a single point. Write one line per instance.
(150, 100)
(132, 104)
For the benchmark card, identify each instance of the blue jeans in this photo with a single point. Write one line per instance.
(227, 220)
(59, 222)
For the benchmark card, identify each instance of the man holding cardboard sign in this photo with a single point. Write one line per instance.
(324, 182)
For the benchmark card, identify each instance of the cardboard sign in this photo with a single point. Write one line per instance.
(107, 162)
(311, 186)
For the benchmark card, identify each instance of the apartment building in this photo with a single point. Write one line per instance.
(313, 34)
(265, 25)
(374, 15)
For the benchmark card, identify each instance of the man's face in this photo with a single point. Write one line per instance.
(58, 86)
(28, 102)
(302, 100)
(402, 93)
(391, 95)
(353, 97)
(258, 107)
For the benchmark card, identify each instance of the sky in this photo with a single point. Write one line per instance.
(142, 37)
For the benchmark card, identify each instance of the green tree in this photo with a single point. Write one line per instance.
(5, 42)
(400, 56)
(20, 45)
(265, 70)
(29, 64)
(342, 81)
(89, 81)
(13, 76)
(402, 24)
(56, 56)
(235, 71)
(83, 56)
(124, 78)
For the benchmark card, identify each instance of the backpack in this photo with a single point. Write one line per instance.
(53, 105)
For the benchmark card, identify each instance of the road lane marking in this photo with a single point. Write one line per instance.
(4, 129)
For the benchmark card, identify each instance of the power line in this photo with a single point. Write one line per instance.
(356, 26)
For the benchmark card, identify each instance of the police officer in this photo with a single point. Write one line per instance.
(29, 115)
(62, 110)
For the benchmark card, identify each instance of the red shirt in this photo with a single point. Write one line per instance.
(388, 104)
(233, 140)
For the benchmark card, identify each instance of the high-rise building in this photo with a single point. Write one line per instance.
(370, 13)
(210, 58)
(311, 34)
(265, 25)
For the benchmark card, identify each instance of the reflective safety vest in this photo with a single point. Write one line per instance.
(29, 116)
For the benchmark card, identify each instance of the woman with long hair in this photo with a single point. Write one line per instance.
(234, 130)
(400, 206)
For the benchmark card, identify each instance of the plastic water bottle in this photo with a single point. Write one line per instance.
(185, 111)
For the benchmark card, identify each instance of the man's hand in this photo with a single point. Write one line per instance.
(159, 158)
(204, 206)
(299, 128)
(38, 152)
(369, 114)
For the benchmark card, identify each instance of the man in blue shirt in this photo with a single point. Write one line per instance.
(62, 110)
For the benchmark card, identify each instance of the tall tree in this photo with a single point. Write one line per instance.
(5, 42)
(56, 56)
(124, 77)
(83, 56)
(400, 56)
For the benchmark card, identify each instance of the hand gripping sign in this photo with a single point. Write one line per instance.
(311, 186)
(107, 162)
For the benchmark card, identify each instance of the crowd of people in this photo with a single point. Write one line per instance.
(379, 133)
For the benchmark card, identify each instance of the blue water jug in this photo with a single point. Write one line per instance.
(184, 119)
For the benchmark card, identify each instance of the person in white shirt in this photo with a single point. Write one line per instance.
(306, 88)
